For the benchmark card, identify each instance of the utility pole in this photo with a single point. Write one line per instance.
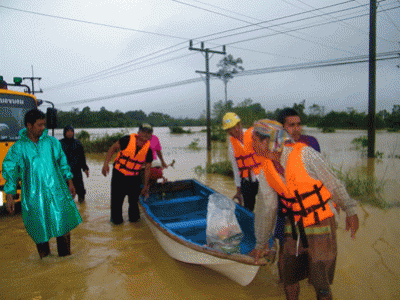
(207, 51)
(33, 85)
(372, 79)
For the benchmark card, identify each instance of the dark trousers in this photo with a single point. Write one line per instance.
(77, 180)
(280, 224)
(249, 191)
(63, 246)
(122, 186)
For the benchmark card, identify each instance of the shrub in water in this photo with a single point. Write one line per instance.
(83, 135)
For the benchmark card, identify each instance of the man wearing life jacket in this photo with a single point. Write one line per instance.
(133, 153)
(305, 191)
(291, 122)
(245, 164)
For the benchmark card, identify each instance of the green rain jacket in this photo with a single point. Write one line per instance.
(48, 209)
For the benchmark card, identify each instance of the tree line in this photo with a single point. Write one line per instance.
(247, 110)
(86, 118)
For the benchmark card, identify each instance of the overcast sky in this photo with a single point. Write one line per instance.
(88, 50)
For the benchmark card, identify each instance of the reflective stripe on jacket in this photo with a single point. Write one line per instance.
(127, 162)
(246, 159)
(302, 196)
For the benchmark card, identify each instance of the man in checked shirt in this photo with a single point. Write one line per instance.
(305, 189)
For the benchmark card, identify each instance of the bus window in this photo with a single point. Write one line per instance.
(12, 112)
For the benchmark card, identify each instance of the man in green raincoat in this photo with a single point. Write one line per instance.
(48, 209)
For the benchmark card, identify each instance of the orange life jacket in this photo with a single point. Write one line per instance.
(246, 159)
(127, 162)
(302, 196)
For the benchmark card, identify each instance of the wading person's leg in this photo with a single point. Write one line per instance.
(118, 188)
(64, 244)
(43, 249)
(133, 198)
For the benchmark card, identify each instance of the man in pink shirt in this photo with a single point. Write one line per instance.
(156, 171)
(155, 146)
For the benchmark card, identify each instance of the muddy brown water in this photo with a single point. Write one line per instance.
(126, 262)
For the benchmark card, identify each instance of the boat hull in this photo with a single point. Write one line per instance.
(241, 273)
(176, 213)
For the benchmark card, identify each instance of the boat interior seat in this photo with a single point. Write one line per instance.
(176, 200)
(187, 224)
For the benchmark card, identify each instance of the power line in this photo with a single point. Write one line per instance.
(272, 20)
(305, 27)
(109, 72)
(310, 65)
(349, 25)
(96, 76)
(115, 74)
(320, 64)
(390, 20)
(92, 23)
(297, 37)
(289, 22)
(159, 87)
(102, 73)
(77, 81)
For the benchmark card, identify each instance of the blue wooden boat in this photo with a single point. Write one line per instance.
(176, 213)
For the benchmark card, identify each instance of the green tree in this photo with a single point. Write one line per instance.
(300, 109)
(316, 110)
(220, 109)
(249, 112)
(228, 67)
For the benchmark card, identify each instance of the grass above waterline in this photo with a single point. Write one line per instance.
(361, 187)
(102, 144)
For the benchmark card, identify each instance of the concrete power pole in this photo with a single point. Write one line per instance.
(207, 51)
(372, 79)
(33, 85)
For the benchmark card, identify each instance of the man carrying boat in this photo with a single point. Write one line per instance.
(245, 164)
(291, 122)
(133, 153)
(305, 191)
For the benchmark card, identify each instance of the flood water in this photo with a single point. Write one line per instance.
(126, 262)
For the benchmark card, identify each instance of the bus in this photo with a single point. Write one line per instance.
(13, 107)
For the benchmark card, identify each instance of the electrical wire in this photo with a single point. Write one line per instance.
(323, 63)
(305, 27)
(350, 25)
(291, 35)
(90, 79)
(99, 75)
(92, 23)
(390, 19)
(318, 64)
(159, 87)
(269, 21)
(290, 22)
(122, 65)
(129, 64)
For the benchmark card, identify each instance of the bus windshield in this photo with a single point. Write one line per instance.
(12, 112)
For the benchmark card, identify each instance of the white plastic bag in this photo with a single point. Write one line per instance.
(223, 230)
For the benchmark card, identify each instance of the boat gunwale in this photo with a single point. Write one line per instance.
(241, 258)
